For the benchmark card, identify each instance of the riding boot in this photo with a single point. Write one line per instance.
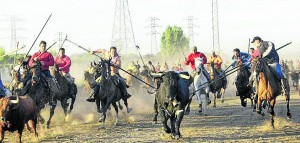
(96, 88)
(123, 87)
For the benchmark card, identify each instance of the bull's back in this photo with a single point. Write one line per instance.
(27, 108)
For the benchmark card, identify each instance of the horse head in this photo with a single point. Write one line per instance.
(199, 65)
(105, 68)
(36, 70)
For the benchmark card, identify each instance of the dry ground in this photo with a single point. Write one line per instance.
(229, 122)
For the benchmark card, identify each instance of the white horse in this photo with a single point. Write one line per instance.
(201, 86)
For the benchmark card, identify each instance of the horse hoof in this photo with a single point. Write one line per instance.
(129, 110)
(117, 124)
(101, 120)
(154, 122)
(121, 107)
(205, 114)
(222, 101)
(215, 106)
(289, 116)
(187, 113)
(167, 130)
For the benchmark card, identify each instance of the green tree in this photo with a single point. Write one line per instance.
(2, 52)
(172, 40)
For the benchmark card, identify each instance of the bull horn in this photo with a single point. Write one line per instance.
(153, 92)
(15, 101)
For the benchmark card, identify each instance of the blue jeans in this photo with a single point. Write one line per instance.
(47, 73)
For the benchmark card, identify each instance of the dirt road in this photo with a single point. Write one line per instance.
(229, 122)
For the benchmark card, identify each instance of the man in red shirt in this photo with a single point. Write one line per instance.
(191, 60)
(64, 64)
(44, 57)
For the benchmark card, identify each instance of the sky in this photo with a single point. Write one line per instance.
(90, 22)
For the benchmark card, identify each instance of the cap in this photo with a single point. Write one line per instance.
(256, 38)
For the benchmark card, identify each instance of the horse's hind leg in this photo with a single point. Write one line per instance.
(105, 105)
(64, 105)
(215, 98)
(126, 104)
(51, 113)
(204, 98)
(272, 104)
(222, 94)
(199, 101)
(155, 111)
(120, 106)
(288, 113)
(73, 99)
(117, 113)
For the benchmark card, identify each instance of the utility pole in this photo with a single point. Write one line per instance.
(191, 27)
(215, 27)
(153, 33)
(13, 19)
(61, 36)
(122, 34)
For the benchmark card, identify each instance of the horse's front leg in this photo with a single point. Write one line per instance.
(52, 108)
(288, 113)
(155, 106)
(259, 108)
(272, 105)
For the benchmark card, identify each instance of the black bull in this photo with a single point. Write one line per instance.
(15, 113)
(170, 84)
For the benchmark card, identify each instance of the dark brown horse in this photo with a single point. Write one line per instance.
(269, 87)
(217, 88)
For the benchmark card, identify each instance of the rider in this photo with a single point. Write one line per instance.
(217, 60)
(46, 59)
(116, 61)
(191, 60)
(268, 52)
(64, 63)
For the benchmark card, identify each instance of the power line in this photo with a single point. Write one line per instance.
(153, 32)
(13, 19)
(191, 26)
(122, 34)
(215, 26)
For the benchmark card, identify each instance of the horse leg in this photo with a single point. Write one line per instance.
(199, 101)
(120, 106)
(117, 113)
(73, 99)
(64, 105)
(164, 120)
(126, 104)
(103, 116)
(99, 110)
(222, 95)
(259, 108)
(288, 113)
(179, 117)
(215, 98)
(204, 97)
(155, 111)
(51, 113)
(272, 104)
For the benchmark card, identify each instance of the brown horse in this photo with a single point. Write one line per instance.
(269, 87)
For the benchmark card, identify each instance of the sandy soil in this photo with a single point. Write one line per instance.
(229, 122)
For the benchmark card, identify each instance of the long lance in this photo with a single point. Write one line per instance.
(13, 51)
(32, 45)
(111, 65)
(63, 42)
(137, 47)
(233, 70)
(248, 45)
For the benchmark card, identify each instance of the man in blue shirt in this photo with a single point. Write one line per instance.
(242, 55)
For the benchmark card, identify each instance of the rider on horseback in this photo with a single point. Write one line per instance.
(46, 59)
(64, 64)
(191, 60)
(116, 61)
(217, 60)
(268, 52)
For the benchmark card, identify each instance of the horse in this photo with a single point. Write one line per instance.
(201, 88)
(269, 87)
(295, 80)
(62, 94)
(37, 90)
(170, 83)
(244, 91)
(217, 88)
(110, 91)
(134, 84)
